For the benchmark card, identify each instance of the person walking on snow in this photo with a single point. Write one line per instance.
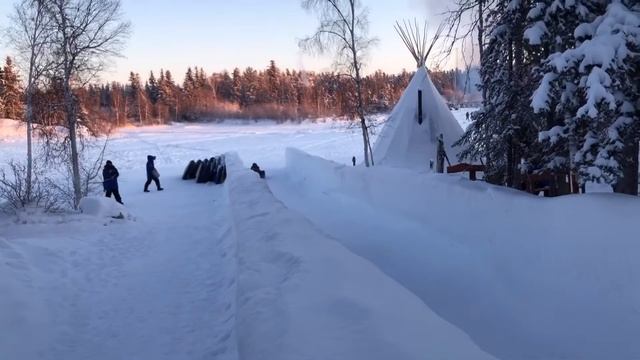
(110, 181)
(442, 155)
(152, 174)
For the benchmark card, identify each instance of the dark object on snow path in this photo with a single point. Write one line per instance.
(257, 169)
(221, 170)
(208, 170)
(203, 172)
(190, 171)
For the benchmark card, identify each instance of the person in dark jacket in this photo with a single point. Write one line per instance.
(152, 174)
(110, 181)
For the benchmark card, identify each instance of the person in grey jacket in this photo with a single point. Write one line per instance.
(152, 174)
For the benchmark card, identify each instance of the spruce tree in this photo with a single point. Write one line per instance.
(1, 92)
(189, 84)
(237, 84)
(152, 88)
(169, 94)
(134, 98)
(503, 133)
(248, 87)
(225, 88)
(590, 87)
(11, 93)
(273, 82)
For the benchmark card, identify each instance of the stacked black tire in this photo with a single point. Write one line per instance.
(208, 170)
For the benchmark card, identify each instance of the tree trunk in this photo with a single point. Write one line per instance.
(73, 140)
(481, 40)
(628, 183)
(510, 170)
(573, 171)
(368, 155)
(29, 118)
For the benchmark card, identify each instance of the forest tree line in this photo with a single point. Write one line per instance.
(271, 93)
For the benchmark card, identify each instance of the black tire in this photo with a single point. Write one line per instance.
(203, 173)
(223, 177)
(188, 170)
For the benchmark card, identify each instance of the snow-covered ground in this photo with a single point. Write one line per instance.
(160, 285)
(524, 276)
(461, 115)
(321, 261)
(301, 295)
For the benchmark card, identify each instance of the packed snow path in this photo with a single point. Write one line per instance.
(301, 295)
(160, 286)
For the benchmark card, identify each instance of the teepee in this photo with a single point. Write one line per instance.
(409, 136)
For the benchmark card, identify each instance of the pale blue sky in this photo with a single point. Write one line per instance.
(219, 34)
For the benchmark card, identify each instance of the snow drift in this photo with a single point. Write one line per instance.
(403, 142)
(301, 295)
(525, 277)
(101, 207)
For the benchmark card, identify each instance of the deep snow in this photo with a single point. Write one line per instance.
(524, 276)
(301, 295)
(162, 283)
(158, 286)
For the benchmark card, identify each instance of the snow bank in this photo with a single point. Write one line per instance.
(102, 207)
(24, 318)
(524, 276)
(301, 295)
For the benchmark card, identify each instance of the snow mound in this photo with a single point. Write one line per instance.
(302, 295)
(403, 142)
(523, 276)
(102, 207)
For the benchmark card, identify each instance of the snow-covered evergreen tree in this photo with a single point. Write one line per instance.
(1, 92)
(135, 98)
(273, 82)
(189, 83)
(248, 87)
(152, 88)
(503, 131)
(11, 91)
(590, 89)
(168, 94)
(224, 87)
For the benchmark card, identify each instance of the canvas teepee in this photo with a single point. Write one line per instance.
(406, 140)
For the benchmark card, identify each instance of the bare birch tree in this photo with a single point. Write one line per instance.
(88, 33)
(465, 20)
(344, 28)
(31, 34)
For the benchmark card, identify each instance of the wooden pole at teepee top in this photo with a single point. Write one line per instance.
(417, 40)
